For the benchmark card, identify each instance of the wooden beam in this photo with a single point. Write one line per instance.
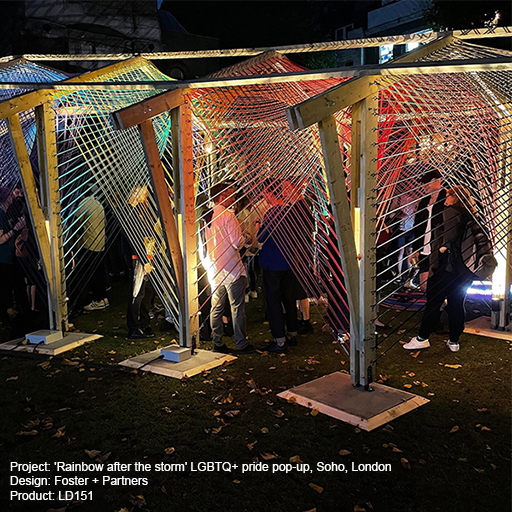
(184, 195)
(342, 219)
(163, 201)
(49, 178)
(147, 109)
(33, 203)
(474, 33)
(341, 96)
(23, 102)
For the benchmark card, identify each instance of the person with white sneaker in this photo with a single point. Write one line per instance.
(461, 252)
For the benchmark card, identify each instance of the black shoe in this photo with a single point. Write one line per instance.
(137, 335)
(148, 332)
(222, 349)
(276, 349)
(305, 327)
(292, 341)
(248, 349)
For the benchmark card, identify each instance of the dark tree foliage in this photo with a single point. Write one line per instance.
(462, 14)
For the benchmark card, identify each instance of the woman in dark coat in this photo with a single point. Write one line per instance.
(461, 252)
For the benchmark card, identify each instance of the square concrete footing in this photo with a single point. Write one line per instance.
(52, 348)
(154, 363)
(335, 396)
(481, 326)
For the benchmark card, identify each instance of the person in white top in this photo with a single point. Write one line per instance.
(227, 274)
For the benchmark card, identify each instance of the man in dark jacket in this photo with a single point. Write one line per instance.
(457, 242)
(429, 216)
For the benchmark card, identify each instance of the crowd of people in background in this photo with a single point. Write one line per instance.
(435, 246)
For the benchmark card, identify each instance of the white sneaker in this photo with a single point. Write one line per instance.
(107, 303)
(95, 306)
(253, 294)
(416, 344)
(454, 347)
(247, 298)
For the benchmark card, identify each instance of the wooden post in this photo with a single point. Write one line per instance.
(169, 226)
(365, 129)
(49, 176)
(184, 197)
(506, 164)
(344, 231)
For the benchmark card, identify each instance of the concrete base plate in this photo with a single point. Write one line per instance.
(481, 326)
(68, 342)
(201, 360)
(335, 396)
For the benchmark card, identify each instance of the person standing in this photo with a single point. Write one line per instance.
(91, 217)
(279, 282)
(8, 235)
(429, 216)
(461, 252)
(227, 275)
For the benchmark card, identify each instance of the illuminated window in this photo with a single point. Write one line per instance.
(385, 53)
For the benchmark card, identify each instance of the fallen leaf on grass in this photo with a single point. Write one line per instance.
(292, 399)
(169, 450)
(454, 429)
(405, 463)
(314, 412)
(44, 365)
(269, 456)
(279, 413)
(483, 409)
(454, 366)
(416, 354)
(479, 470)
(407, 386)
(111, 352)
(388, 428)
(27, 433)
(493, 466)
(167, 410)
(265, 430)
(411, 374)
(344, 452)
(138, 500)
(296, 458)
(216, 430)
(31, 424)
(67, 362)
(11, 378)
(397, 450)
(92, 453)
(462, 459)
(357, 508)
(232, 414)
(60, 432)
(317, 488)
(236, 481)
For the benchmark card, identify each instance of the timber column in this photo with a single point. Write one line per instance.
(49, 176)
(184, 199)
(364, 159)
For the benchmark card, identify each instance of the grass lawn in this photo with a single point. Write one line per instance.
(452, 454)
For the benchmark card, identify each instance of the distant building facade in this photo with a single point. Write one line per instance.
(393, 17)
